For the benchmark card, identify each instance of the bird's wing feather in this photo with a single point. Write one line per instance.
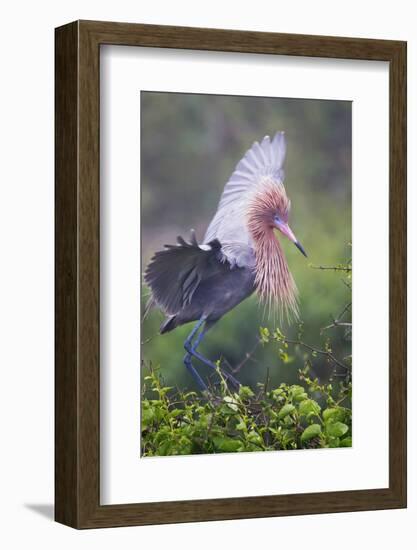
(262, 163)
(175, 273)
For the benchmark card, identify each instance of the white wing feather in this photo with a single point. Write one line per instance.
(263, 162)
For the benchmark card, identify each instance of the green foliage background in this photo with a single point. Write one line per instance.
(190, 145)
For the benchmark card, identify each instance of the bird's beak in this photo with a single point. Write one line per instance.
(286, 230)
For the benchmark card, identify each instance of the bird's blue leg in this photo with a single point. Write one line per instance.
(189, 339)
(199, 338)
(192, 350)
(187, 357)
(194, 373)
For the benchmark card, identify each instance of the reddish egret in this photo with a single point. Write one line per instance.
(238, 255)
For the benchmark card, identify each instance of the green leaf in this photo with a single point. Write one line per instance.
(147, 416)
(241, 425)
(277, 393)
(309, 408)
(231, 403)
(175, 413)
(286, 410)
(164, 448)
(245, 392)
(334, 414)
(226, 444)
(298, 393)
(285, 358)
(336, 429)
(314, 430)
(278, 335)
(254, 437)
(264, 334)
(346, 442)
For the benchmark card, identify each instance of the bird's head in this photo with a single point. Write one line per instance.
(269, 210)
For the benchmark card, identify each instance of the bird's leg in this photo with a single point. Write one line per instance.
(199, 338)
(188, 342)
(192, 350)
(188, 364)
(187, 358)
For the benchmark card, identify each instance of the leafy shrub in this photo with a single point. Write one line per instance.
(302, 416)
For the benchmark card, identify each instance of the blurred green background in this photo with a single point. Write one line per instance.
(190, 145)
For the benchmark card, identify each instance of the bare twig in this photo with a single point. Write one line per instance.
(248, 357)
(337, 322)
(326, 353)
(149, 339)
(345, 268)
(344, 310)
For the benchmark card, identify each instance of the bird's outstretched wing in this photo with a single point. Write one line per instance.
(174, 274)
(261, 164)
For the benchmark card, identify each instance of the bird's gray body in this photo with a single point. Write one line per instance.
(219, 293)
(191, 282)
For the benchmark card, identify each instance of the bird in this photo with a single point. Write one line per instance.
(239, 255)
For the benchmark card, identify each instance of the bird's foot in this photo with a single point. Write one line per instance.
(228, 377)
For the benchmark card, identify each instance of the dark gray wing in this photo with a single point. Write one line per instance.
(175, 273)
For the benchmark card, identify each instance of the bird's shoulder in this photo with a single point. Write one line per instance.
(238, 254)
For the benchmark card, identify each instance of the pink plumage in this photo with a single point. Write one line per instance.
(273, 280)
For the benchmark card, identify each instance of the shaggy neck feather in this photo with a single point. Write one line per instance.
(273, 279)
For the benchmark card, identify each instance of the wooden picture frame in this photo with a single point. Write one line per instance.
(77, 405)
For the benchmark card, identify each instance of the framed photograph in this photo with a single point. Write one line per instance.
(230, 274)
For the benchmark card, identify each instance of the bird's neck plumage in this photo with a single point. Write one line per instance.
(273, 280)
